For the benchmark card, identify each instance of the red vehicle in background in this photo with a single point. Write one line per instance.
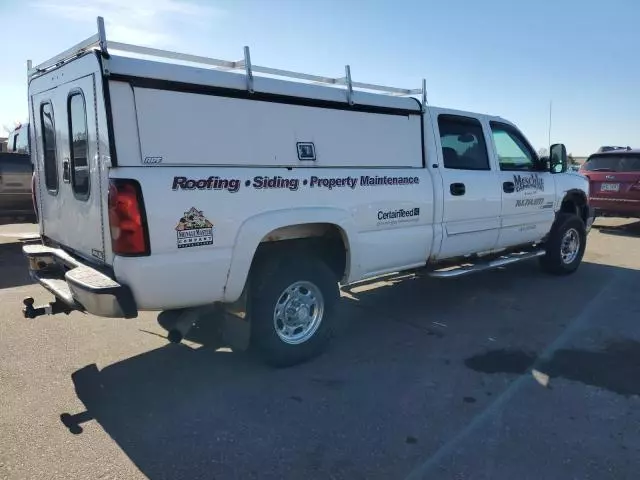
(614, 182)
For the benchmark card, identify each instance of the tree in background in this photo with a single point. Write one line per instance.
(571, 160)
(543, 152)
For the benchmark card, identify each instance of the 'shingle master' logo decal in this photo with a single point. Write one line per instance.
(194, 229)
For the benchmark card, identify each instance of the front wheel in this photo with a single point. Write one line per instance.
(565, 246)
(292, 301)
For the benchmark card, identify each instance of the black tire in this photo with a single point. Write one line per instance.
(270, 278)
(552, 262)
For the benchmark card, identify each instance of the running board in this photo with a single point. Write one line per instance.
(481, 266)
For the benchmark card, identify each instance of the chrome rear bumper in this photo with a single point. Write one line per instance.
(77, 285)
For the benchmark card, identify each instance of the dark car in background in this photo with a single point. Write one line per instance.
(16, 176)
(614, 181)
(16, 173)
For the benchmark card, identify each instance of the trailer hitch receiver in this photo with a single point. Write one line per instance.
(52, 308)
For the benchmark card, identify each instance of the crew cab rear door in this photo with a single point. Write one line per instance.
(67, 165)
(471, 193)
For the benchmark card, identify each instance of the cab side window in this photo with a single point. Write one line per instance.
(514, 153)
(22, 141)
(78, 145)
(13, 142)
(49, 147)
(463, 144)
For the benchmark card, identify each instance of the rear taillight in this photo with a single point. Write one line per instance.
(126, 218)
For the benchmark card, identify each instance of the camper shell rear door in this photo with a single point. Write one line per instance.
(69, 123)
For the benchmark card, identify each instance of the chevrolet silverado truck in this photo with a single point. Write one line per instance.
(284, 186)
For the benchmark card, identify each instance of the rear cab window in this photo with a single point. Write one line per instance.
(12, 142)
(628, 162)
(49, 147)
(22, 141)
(463, 143)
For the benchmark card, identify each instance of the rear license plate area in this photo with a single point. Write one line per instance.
(610, 187)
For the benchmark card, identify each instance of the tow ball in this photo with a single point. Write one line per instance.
(52, 308)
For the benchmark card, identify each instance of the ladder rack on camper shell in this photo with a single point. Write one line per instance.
(99, 42)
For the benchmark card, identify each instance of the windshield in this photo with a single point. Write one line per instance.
(613, 163)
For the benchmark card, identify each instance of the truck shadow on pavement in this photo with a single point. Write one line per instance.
(13, 266)
(396, 385)
(615, 367)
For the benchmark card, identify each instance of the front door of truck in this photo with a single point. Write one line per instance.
(68, 168)
(528, 194)
(471, 194)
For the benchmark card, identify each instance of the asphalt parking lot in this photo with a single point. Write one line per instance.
(426, 379)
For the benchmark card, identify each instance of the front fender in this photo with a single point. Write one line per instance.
(255, 228)
(575, 185)
(571, 182)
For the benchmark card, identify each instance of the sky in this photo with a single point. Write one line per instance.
(501, 57)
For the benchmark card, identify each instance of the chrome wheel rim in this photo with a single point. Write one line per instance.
(298, 312)
(570, 246)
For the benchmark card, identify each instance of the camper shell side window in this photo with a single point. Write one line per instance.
(49, 147)
(78, 144)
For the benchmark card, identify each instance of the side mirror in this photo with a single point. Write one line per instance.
(558, 158)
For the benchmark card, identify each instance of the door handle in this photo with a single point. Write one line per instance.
(508, 187)
(457, 189)
(66, 172)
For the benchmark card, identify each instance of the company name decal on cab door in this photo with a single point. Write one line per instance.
(194, 230)
(529, 202)
(529, 183)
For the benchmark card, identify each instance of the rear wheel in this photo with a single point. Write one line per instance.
(565, 246)
(292, 301)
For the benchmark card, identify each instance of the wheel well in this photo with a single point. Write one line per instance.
(326, 240)
(575, 203)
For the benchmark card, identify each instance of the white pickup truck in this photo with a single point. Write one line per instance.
(171, 182)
